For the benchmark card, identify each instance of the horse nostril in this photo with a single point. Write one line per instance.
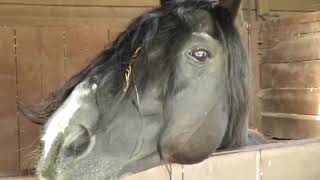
(76, 142)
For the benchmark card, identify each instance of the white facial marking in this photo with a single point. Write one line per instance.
(94, 87)
(60, 119)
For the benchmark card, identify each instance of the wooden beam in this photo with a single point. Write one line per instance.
(158, 174)
(9, 136)
(285, 23)
(291, 163)
(291, 101)
(36, 15)
(291, 75)
(83, 2)
(294, 5)
(263, 7)
(290, 126)
(300, 48)
(62, 22)
(70, 11)
(82, 45)
(53, 62)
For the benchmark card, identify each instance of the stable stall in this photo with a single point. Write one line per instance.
(43, 43)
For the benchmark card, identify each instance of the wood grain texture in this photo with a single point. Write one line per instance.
(53, 62)
(248, 4)
(30, 57)
(290, 126)
(285, 21)
(83, 2)
(62, 22)
(291, 75)
(70, 11)
(218, 168)
(290, 72)
(273, 33)
(291, 163)
(158, 173)
(9, 140)
(294, 5)
(82, 45)
(21, 178)
(291, 101)
(114, 32)
(255, 121)
(67, 15)
(301, 48)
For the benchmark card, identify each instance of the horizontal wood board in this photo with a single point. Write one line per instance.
(269, 162)
(290, 77)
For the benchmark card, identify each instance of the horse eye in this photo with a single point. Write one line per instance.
(200, 54)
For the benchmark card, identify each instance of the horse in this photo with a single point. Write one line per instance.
(172, 88)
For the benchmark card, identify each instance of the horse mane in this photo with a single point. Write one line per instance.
(238, 80)
(141, 33)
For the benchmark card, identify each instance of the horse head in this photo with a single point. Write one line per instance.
(172, 88)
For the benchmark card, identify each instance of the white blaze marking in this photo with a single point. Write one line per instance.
(60, 119)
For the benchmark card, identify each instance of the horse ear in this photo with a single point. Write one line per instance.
(232, 6)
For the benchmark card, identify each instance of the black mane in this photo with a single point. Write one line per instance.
(165, 24)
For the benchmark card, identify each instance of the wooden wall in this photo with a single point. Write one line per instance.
(34, 61)
(290, 77)
(42, 43)
(269, 162)
(71, 12)
(261, 10)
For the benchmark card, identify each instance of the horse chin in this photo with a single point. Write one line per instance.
(184, 158)
(190, 151)
(189, 155)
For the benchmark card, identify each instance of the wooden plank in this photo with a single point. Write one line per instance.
(288, 126)
(294, 49)
(52, 46)
(248, 4)
(291, 75)
(267, 162)
(114, 32)
(280, 24)
(67, 16)
(62, 21)
(30, 59)
(294, 5)
(70, 11)
(266, 76)
(218, 167)
(21, 178)
(263, 7)
(291, 163)
(9, 156)
(291, 101)
(158, 173)
(249, 16)
(284, 14)
(83, 2)
(82, 45)
(255, 121)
